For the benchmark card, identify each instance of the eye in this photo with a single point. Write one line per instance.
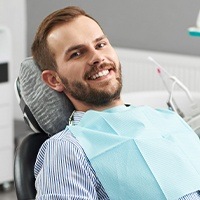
(100, 45)
(75, 54)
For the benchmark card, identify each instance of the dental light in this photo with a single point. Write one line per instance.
(195, 31)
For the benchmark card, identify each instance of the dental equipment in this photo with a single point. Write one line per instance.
(195, 31)
(194, 119)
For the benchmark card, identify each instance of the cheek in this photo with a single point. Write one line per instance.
(73, 73)
(113, 55)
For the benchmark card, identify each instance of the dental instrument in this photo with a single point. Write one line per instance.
(194, 119)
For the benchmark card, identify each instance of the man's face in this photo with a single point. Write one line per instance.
(87, 64)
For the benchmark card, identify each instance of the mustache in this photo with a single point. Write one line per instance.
(96, 68)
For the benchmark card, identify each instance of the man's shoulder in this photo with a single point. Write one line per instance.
(61, 145)
(64, 136)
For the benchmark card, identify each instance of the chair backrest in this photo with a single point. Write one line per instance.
(25, 157)
(46, 112)
(49, 108)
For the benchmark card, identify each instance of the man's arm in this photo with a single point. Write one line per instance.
(63, 172)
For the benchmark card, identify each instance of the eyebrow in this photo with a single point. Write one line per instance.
(79, 46)
(100, 38)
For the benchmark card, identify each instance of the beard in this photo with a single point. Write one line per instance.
(91, 96)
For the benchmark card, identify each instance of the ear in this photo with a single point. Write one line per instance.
(52, 79)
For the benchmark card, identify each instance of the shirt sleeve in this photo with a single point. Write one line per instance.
(63, 172)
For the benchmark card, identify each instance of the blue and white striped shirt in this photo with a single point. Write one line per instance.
(63, 171)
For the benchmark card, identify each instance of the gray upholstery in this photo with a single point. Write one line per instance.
(51, 109)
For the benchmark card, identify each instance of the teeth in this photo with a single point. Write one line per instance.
(100, 74)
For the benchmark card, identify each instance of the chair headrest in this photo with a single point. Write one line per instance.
(42, 106)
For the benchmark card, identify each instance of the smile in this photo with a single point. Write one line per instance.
(99, 74)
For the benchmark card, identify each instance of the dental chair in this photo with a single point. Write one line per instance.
(25, 157)
(46, 112)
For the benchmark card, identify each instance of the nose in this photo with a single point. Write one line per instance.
(96, 58)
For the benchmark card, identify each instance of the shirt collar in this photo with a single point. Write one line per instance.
(75, 117)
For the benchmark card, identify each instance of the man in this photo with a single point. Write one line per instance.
(109, 150)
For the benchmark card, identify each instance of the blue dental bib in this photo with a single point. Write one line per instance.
(141, 153)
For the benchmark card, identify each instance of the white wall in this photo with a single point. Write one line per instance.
(140, 74)
(13, 16)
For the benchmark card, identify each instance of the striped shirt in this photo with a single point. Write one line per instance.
(63, 171)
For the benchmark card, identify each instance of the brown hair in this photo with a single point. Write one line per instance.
(41, 52)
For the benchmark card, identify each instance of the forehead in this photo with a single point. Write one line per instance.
(80, 30)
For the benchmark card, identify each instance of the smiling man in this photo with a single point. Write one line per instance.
(89, 71)
(109, 150)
